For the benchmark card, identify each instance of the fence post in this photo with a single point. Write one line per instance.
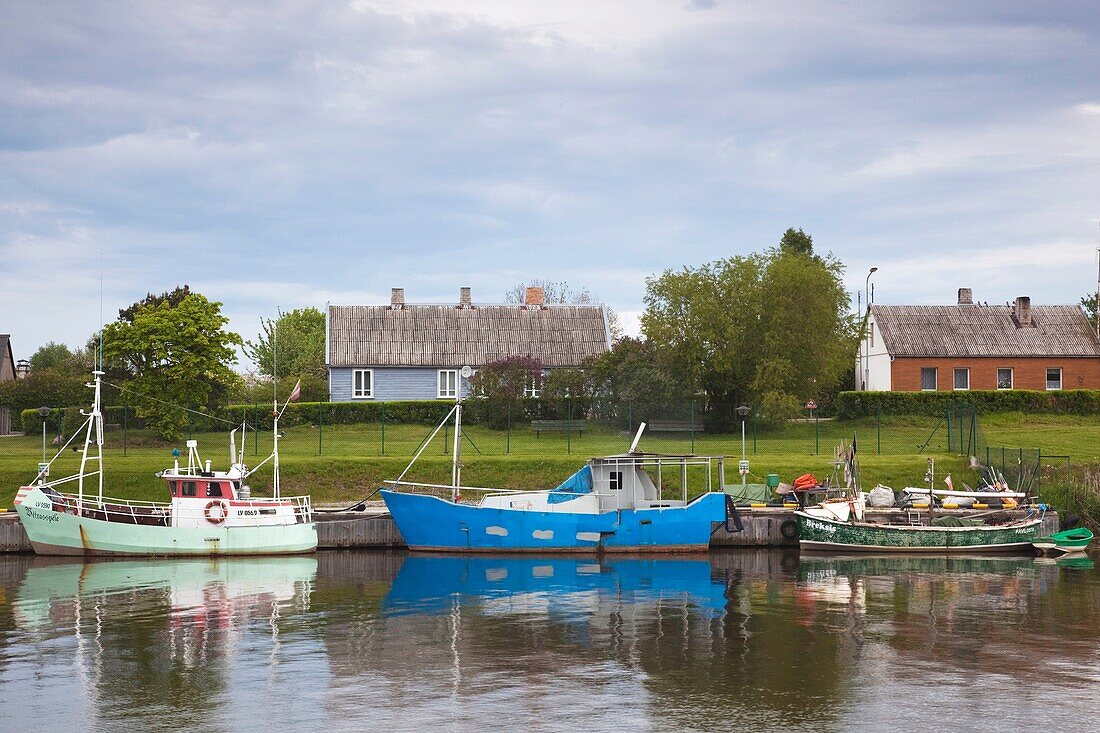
(630, 417)
(255, 433)
(754, 434)
(508, 431)
(446, 440)
(693, 427)
(878, 426)
(947, 416)
(817, 435)
(320, 424)
(383, 420)
(569, 427)
(125, 428)
(1038, 471)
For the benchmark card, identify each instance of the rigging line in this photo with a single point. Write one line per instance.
(171, 404)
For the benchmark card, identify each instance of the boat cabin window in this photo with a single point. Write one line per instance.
(172, 488)
(188, 488)
(616, 479)
(213, 489)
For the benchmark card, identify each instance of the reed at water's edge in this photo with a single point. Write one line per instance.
(1078, 496)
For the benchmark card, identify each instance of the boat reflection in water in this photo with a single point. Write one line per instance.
(554, 586)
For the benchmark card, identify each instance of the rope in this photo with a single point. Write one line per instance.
(351, 507)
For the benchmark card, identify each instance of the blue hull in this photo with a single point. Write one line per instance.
(433, 524)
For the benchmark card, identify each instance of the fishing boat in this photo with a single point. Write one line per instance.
(612, 504)
(208, 513)
(824, 528)
(1065, 542)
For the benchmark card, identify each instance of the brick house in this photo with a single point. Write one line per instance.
(974, 346)
(405, 351)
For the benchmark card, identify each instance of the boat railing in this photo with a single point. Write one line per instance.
(136, 511)
(434, 489)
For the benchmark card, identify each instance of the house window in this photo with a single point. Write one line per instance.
(1004, 378)
(1054, 378)
(928, 378)
(362, 384)
(962, 378)
(533, 386)
(448, 384)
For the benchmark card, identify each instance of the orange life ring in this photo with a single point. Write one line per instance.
(219, 519)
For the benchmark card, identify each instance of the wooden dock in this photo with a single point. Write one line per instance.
(374, 530)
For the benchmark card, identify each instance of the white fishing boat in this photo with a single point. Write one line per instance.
(208, 513)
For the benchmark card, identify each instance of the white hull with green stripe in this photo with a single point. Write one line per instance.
(821, 533)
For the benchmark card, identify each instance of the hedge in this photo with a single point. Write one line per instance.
(1068, 402)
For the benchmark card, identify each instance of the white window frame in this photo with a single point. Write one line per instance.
(935, 374)
(449, 392)
(955, 379)
(531, 387)
(1061, 378)
(358, 393)
(1011, 378)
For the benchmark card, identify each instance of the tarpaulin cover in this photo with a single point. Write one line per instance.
(577, 484)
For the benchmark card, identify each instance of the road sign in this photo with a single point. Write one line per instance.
(811, 405)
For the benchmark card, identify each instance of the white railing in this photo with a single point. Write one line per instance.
(135, 511)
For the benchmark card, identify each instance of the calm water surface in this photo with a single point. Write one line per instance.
(760, 640)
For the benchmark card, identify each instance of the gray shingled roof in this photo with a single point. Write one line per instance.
(443, 335)
(983, 330)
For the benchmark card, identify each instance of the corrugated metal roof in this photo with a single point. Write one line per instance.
(444, 335)
(983, 330)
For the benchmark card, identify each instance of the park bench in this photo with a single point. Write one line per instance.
(674, 426)
(558, 426)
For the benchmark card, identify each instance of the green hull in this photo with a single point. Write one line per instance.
(1070, 540)
(60, 533)
(826, 534)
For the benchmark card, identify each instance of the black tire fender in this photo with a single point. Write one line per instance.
(789, 529)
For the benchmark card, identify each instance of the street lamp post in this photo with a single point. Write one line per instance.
(43, 412)
(865, 345)
(743, 466)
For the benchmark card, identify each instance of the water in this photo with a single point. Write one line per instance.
(755, 641)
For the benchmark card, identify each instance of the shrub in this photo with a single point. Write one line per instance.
(1070, 402)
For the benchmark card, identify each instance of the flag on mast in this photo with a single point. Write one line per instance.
(296, 392)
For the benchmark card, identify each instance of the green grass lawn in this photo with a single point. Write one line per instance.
(343, 463)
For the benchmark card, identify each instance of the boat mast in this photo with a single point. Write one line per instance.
(456, 466)
(95, 421)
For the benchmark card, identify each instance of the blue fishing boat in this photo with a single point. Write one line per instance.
(612, 504)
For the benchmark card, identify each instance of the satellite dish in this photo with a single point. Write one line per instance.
(466, 372)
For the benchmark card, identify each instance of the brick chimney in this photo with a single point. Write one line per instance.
(1023, 312)
(966, 296)
(464, 300)
(397, 298)
(533, 297)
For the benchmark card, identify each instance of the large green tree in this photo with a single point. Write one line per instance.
(772, 329)
(172, 355)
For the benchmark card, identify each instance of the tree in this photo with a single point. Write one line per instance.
(634, 371)
(171, 297)
(59, 357)
(176, 352)
(796, 241)
(770, 329)
(502, 385)
(1089, 304)
(292, 345)
(560, 293)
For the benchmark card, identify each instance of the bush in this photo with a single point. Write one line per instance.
(852, 405)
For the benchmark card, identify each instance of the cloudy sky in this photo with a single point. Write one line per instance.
(285, 154)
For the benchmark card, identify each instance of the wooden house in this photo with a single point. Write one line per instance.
(974, 346)
(7, 374)
(406, 351)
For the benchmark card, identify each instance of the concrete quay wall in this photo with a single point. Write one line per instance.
(375, 530)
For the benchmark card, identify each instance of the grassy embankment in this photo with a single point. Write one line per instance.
(352, 464)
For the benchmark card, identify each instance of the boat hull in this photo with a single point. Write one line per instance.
(816, 533)
(430, 524)
(61, 533)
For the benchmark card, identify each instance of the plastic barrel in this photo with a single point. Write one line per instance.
(773, 480)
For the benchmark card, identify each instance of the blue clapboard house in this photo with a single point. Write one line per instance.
(405, 351)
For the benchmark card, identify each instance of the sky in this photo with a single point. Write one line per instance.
(286, 154)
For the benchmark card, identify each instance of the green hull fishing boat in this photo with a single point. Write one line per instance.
(1069, 541)
(822, 533)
